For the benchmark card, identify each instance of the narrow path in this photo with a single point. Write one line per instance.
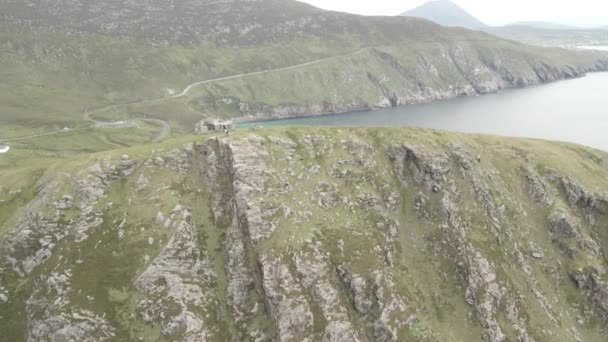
(87, 115)
(165, 130)
(166, 127)
(42, 134)
(193, 85)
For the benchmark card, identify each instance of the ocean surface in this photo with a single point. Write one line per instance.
(599, 48)
(572, 110)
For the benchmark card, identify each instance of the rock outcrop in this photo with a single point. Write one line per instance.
(314, 235)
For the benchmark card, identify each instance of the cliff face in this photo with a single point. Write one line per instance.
(318, 234)
(391, 76)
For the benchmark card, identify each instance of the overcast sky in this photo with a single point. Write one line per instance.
(492, 12)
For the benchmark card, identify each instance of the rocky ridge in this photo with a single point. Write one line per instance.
(326, 235)
(394, 78)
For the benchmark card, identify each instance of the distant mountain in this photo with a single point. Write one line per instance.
(568, 38)
(544, 25)
(447, 13)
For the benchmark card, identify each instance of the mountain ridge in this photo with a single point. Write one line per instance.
(280, 234)
(447, 13)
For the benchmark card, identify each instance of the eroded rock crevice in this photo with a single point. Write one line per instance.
(266, 236)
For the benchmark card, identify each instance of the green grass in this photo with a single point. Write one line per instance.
(52, 79)
(424, 266)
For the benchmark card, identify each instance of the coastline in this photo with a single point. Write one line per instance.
(239, 121)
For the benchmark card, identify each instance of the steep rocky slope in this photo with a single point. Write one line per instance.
(318, 234)
(387, 76)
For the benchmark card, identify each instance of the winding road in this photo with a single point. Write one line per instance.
(194, 85)
(165, 126)
(42, 135)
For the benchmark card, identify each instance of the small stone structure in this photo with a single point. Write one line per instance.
(204, 126)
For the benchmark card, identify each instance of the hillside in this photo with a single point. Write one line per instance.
(65, 62)
(317, 234)
(447, 13)
(224, 22)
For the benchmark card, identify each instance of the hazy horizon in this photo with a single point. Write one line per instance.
(581, 13)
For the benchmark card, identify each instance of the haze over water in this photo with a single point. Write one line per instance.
(573, 110)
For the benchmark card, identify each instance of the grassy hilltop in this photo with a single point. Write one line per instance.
(289, 233)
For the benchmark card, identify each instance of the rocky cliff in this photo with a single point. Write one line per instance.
(390, 76)
(298, 234)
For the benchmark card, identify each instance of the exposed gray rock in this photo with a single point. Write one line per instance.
(315, 169)
(316, 259)
(249, 175)
(326, 195)
(537, 255)
(359, 291)
(241, 287)
(463, 156)
(563, 225)
(596, 289)
(283, 142)
(286, 300)
(22, 248)
(64, 203)
(51, 316)
(313, 267)
(429, 168)
(578, 196)
(79, 325)
(160, 218)
(537, 188)
(176, 286)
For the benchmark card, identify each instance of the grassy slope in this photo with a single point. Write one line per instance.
(50, 79)
(437, 296)
(424, 264)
